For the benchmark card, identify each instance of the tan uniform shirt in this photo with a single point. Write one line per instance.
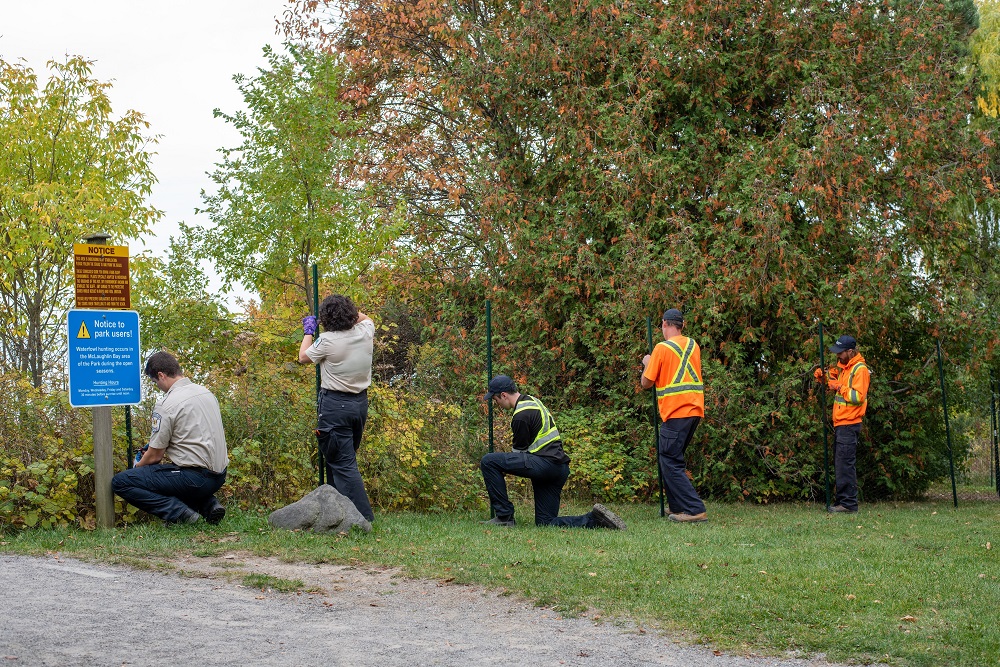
(346, 357)
(187, 423)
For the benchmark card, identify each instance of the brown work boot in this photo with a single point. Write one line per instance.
(689, 518)
(837, 509)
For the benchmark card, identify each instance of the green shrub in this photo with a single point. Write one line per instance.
(47, 463)
(415, 456)
(613, 455)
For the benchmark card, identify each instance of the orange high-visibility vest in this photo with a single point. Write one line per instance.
(851, 400)
(675, 369)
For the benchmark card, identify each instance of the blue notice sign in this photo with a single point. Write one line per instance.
(104, 364)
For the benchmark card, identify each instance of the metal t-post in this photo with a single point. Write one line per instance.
(822, 418)
(489, 368)
(993, 426)
(319, 451)
(489, 377)
(947, 427)
(995, 389)
(656, 414)
(128, 434)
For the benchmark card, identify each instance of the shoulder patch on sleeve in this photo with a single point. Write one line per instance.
(156, 422)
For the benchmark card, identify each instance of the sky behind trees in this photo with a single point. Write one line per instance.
(172, 62)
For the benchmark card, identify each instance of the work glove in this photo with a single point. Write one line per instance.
(309, 326)
(834, 372)
(818, 374)
(833, 385)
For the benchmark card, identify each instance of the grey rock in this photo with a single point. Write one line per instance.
(320, 511)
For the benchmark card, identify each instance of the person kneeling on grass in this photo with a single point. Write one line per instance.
(537, 455)
(187, 430)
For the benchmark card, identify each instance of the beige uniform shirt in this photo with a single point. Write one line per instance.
(187, 423)
(346, 357)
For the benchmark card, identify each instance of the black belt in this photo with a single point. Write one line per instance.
(204, 471)
(336, 393)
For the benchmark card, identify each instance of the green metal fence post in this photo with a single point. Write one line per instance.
(128, 435)
(319, 451)
(947, 427)
(656, 414)
(489, 367)
(822, 418)
(996, 434)
(489, 377)
(993, 426)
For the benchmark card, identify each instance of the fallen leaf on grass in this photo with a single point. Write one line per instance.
(716, 652)
(850, 596)
(593, 574)
(988, 546)
(909, 619)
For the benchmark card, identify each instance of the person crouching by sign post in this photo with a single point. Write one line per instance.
(187, 430)
(849, 379)
(538, 455)
(674, 368)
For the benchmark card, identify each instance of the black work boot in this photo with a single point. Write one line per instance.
(213, 511)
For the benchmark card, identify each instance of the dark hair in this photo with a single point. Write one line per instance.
(162, 362)
(338, 313)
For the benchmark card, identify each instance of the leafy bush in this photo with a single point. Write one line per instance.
(415, 456)
(47, 462)
(613, 455)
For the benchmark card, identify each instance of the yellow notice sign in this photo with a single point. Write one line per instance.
(94, 250)
(102, 276)
(83, 333)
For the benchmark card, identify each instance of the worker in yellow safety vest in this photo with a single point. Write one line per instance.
(538, 455)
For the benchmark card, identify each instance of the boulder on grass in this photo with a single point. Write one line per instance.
(320, 511)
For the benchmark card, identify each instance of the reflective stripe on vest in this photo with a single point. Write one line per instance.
(678, 386)
(548, 432)
(850, 383)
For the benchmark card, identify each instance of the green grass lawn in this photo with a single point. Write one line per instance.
(901, 583)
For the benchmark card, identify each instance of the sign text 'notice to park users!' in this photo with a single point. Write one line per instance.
(104, 364)
(101, 275)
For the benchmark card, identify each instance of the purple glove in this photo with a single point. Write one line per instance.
(309, 327)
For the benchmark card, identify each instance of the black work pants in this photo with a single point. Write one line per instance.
(547, 481)
(675, 436)
(341, 424)
(844, 465)
(168, 491)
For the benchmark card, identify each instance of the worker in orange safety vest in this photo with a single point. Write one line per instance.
(849, 379)
(674, 368)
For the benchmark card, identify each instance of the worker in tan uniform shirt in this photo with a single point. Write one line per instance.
(184, 464)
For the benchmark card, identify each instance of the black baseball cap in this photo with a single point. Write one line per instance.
(844, 343)
(673, 315)
(501, 383)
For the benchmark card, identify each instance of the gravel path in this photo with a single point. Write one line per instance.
(57, 611)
